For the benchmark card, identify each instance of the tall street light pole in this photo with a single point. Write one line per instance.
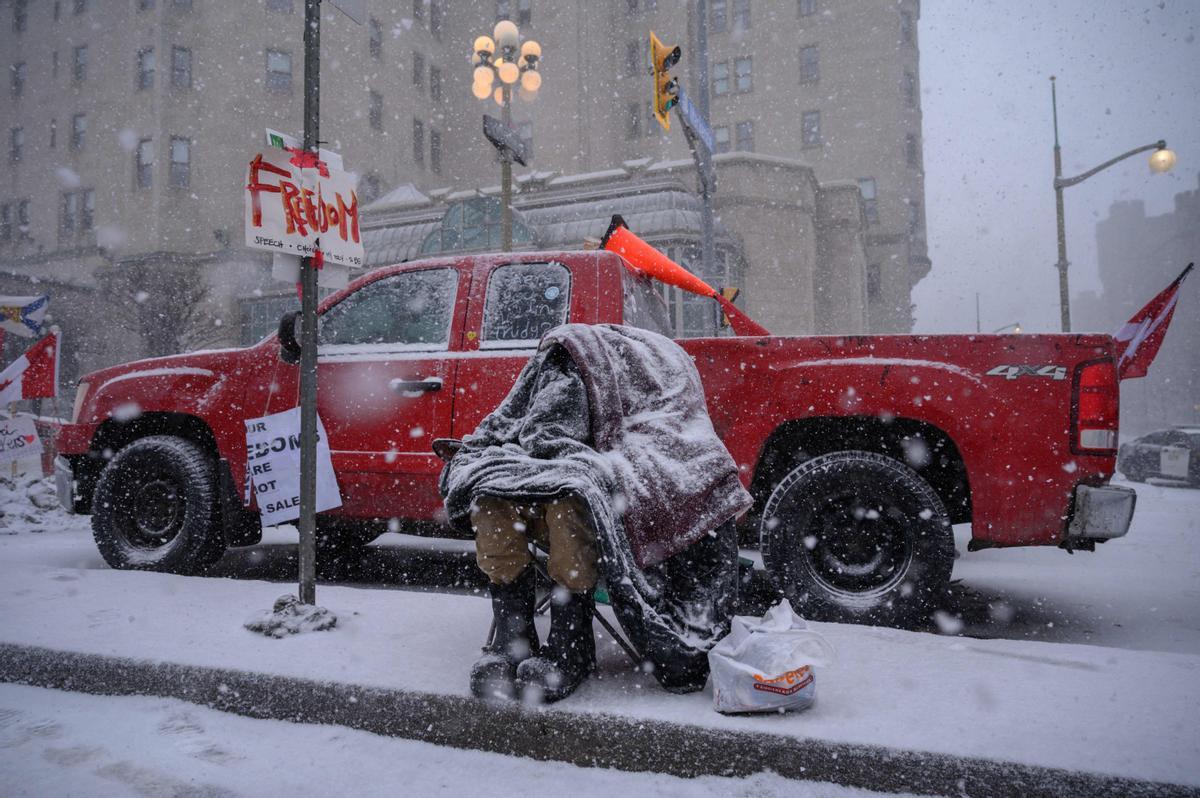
(1161, 161)
(504, 57)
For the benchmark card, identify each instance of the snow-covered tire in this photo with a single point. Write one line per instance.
(156, 508)
(857, 536)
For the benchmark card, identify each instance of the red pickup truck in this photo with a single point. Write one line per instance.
(860, 451)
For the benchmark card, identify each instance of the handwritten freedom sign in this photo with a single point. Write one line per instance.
(298, 210)
(18, 439)
(273, 467)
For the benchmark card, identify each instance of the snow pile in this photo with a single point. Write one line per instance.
(28, 503)
(290, 617)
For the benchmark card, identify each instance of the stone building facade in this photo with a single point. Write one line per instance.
(128, 124)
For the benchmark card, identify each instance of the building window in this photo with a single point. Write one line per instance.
(720, 79)
(810, 128)
(23, 219)
(19, 71)
(20, 15)
(810, 64)
(145, 5)
(5, 222)
(418, 142)
(418, 71)
(54, 64)
(435, 151)
(181, 68)
(524, 12)
(70, 212)
(914, 217)
(743, 70)
(718, 18)
(279, 71)
(745, 136)
(435, 19)
(183, 5)
(80, 6)
(282, 6)
(181, 162)
(503, 9)
(145, 67)
(912, 152)
(370, 188)
(78, 131)
(874, 280)
(633, 57)
(87, 207)
(906, 27)
(53, 133)
(910, 89)
(375, 110)
(808, 8)
(435, 84)
(143, 156)
(79, 65)
(419, 10)
(741, 14)
(721, 137)
(16, 144)
(633, 125)
(866, 188)
(375, 38)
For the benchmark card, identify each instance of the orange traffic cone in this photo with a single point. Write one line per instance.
(643, 258)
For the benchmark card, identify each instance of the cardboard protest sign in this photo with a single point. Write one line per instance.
(18, 439)
(298, 210)
(273, 467)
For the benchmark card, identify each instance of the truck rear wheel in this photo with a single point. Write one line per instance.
(857, 536)
(156, 507)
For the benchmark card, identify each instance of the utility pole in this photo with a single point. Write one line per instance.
(308, 323)
(708, 255)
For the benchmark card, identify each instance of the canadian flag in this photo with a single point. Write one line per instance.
(34, 374)
(1139, 339)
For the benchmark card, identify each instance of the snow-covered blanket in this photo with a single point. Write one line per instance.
(656, 480)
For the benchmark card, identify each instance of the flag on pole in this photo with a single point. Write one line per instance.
(23, 315)
(1139, 339)
(33, 375)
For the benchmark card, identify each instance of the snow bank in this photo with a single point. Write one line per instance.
(28, 503)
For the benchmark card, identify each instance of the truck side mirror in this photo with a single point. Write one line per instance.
(289, 337)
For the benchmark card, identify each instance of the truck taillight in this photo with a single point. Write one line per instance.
(1094, 408)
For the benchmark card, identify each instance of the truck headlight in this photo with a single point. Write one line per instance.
(80, 395)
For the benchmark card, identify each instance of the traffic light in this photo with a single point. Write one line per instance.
(666, 88)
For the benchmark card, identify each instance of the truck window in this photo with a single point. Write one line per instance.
(524, 302)
(643, 305)
(407, 308)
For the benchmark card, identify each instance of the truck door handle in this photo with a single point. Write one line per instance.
(416, 386)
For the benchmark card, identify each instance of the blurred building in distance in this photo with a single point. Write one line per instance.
(128, 125)
(1138, 255)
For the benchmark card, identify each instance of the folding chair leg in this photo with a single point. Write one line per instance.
(632, 652)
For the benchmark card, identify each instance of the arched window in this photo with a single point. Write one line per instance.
(473, 224)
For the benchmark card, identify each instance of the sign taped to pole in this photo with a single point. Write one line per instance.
(273, 467)
(299, 210)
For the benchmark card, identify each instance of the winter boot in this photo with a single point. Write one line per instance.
(515, 639)
(568, 656)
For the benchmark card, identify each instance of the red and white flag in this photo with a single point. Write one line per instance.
(33, 375)
(1139, 339)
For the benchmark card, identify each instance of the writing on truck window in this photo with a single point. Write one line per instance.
(525, 301)
(408, 308)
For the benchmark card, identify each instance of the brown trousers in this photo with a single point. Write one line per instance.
(503, 530)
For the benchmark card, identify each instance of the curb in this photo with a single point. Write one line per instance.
(585, 739)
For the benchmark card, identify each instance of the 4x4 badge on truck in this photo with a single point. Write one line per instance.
(1012, 372)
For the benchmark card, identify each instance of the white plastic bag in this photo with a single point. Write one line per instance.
(767, 664)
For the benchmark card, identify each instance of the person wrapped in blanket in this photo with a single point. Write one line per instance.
(603, 454)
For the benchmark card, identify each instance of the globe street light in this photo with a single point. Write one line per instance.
(504, 59)
(1161, 161)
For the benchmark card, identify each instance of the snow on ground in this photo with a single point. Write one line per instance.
(1125, 703)
(55, 743)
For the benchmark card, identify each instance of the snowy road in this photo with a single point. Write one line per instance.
(1141, 592)
(55, 743)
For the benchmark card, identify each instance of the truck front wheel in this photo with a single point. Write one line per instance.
(857, 536)
(156, 507)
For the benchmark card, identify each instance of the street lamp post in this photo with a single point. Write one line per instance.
(505, 57)
(1161, 161)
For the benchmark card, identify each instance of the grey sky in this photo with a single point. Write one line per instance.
(1128, 74)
